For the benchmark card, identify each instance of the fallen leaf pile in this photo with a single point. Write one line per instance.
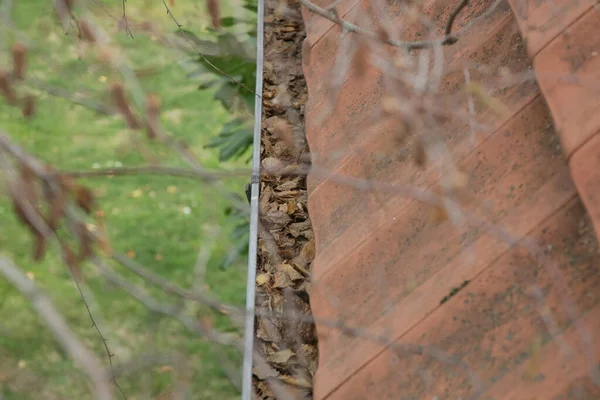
(285, 334)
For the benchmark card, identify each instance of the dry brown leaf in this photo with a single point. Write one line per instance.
(360, 61)
(263, 373)
(268, 331)
(19, 52)
(122, 104)
(6, 88)
(86, 242)
(296, 381)
(86, 31)
(282, 98)
(282, 280)
(215, 13)
(291, 207)
(281, 357)
(419, 154)
(206, 322)
(308, 356)
(308, 250)
(84, 198)
(39, 248)
(281, 129)
(263, 279)
(439, 214)
(289, 185)
(272, 164)
(277, 218)
(289, 271)
(71, 261)
(480, 93)
(264, 390)
(301, 228)
(152, 124)
(28, 108)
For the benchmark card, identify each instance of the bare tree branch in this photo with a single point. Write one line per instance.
(349, 27)
(199, 53)
(56, 323)
(75, 98)
(165, 309)
(207, 176)
(172, 288)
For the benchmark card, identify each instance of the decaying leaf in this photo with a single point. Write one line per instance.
(122, 104)
(104, 243)
(268, 331)
(439, 214)
(213, 9)
(71, 260)
(58, 202)
(152, 124)
(39, 248)
(86, 32)
(301, 228)
(264, 372)
(360, 61)
(289, 271)
(297, 381)
(263, 279)
(281, 357)
(28, 108)
(24, 196)
(86, 242)
(282, 98)
(419, 154)
(281, 128)
(308, 356)
(6, 88)
(19, 52)
(272, 164)
(84, 198)
(282, 280)
(291, 207)
(478, 91)
(285, 228)
(308, 250)
(534, 363)
(277, 219)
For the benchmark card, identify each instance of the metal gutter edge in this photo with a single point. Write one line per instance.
(255, 187)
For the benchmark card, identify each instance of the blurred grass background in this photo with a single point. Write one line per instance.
(158, 221)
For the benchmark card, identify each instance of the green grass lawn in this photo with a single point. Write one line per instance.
(160, 221)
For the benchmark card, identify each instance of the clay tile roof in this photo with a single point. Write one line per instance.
(432, 307)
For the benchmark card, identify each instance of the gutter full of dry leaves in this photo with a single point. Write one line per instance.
(254, 190)
(281, 343)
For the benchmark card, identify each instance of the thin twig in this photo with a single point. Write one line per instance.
(72, 97)
(95, 325)
(125, 19)
(193, 45)
(349, 27)
(207, 176)
(165, 309)
(172, 288)
(453, 15)
(83, 357)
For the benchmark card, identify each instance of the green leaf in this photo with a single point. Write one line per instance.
(236, 146)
